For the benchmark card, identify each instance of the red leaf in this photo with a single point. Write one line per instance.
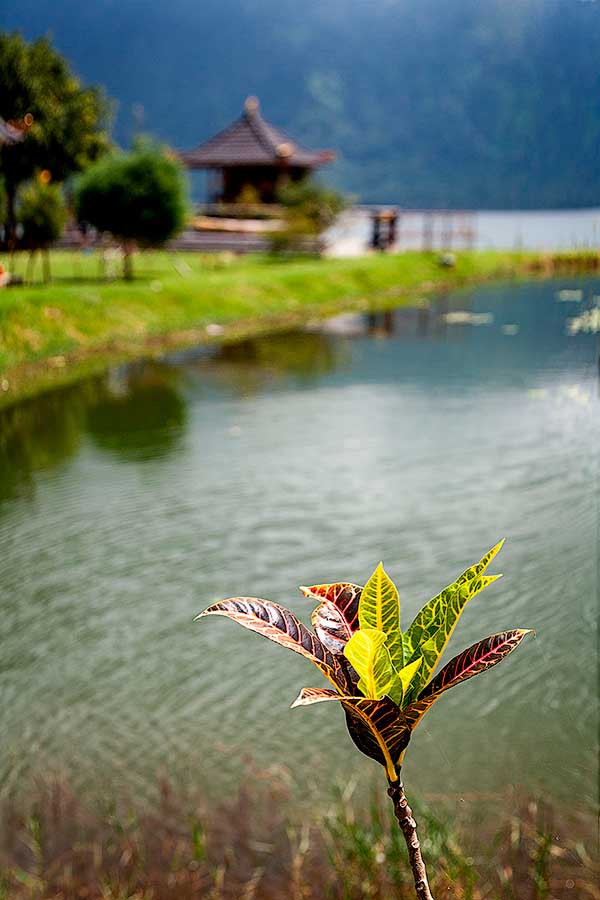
(281, 626)
(342, 594)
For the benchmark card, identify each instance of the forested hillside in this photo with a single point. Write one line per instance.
(482, 103)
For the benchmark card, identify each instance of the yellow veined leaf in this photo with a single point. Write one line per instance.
(367, 652)
(377, 727)
(379, 608)
(399, 690)
(379, 730)
(432, 627)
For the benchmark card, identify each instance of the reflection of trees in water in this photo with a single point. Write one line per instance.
(423, 319)
(40, 434)
(247, 366)
(139, 415)
(138, 412)
(143, 416)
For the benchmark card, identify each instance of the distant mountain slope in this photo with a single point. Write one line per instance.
(482, 103)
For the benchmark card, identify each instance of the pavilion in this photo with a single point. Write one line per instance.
(250, 159)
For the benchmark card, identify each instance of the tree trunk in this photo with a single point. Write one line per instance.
(30, 267)
(409, 830)
(11, 216)
(46, 266)
(127, 261)
(101, 263)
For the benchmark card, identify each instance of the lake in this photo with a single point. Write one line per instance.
(484, 229)
(130, 502)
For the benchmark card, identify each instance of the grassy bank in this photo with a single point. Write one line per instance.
(256, 844)
(53, 334)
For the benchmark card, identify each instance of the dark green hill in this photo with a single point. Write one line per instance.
(482, 103)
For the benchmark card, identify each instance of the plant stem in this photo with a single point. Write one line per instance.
(409, 830)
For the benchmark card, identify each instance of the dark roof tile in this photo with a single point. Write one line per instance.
(253, 141)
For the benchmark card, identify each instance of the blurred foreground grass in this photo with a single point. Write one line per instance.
(53, 334)
(257, 844)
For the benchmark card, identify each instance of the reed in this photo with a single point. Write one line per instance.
(258, 843)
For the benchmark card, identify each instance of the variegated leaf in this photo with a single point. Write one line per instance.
(377, 727)
(342, 594)
(331, 626)
(367, 652)
(379, 730)
(308, 696)
(475, 659)
(280, 625)
(379, 608)
(400, 690)
(432, 627)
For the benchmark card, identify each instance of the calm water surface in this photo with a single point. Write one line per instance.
(544, 230)
(131, 502)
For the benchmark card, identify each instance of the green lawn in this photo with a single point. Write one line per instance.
(52, 334)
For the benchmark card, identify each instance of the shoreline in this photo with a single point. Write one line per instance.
(76, 327)
(258, 839)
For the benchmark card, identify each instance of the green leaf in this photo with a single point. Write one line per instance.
(367, 652)
(279, 625)
(432, 627)
(475, 659)
(379, 608)
(402, 682)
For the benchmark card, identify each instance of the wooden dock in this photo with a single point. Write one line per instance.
(394, 227)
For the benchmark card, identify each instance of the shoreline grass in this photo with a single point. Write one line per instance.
(52, 335)
(258, 843)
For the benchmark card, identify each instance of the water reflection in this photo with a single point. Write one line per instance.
(139, 411)
(248, 367)
(39, 435)
(139, 414)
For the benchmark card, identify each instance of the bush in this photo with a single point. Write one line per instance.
(42, 214)
(138, 197)
(310, 208)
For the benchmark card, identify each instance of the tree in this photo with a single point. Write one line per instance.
(42, 213)
(138, 197)
(381, 675)
(3, 203)
(309, 209)
(64, 123)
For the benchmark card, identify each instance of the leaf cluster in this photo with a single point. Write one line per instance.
(69, 122)
(383, 676)
(42, 212)
(140, 195)
(310, 208)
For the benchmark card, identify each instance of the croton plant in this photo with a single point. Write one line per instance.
(383, 676)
